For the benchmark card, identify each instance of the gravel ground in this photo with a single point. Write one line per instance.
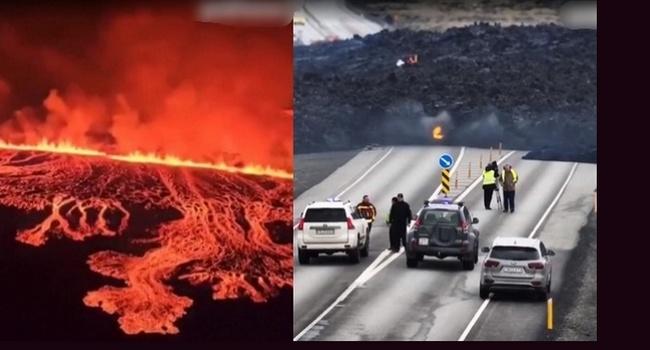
(576, 302)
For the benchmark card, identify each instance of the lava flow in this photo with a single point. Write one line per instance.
(149, 158)
(216, 228)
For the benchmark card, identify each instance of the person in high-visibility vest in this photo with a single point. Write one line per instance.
(367, 210)
(489, 185)
(508, 179)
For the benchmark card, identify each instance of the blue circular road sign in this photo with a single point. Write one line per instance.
(446, 161)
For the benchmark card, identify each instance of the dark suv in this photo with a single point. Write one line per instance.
(443, 229)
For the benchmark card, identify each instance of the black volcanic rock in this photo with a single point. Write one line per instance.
(530, 87)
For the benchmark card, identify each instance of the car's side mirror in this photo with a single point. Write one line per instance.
(485, 249)
(475, 221)
(550, 253)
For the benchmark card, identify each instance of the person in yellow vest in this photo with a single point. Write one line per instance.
(489, 185)
(367, 211)
(508, 179)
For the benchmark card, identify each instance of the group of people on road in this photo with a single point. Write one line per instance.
(398, 219)
(400, 214)
(508, 179)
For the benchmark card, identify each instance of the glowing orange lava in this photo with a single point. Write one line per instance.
(215, 228)
(146, 158)
(437, 133)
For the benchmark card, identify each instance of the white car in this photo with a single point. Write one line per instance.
(516, 263)
(330, 227)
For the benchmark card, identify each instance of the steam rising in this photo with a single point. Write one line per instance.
(406, 122)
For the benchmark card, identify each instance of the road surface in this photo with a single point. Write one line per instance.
(438, 300)
(331, 20)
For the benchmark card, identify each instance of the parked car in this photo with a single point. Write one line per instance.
(443, 229)
(330, 227)
(516, 263)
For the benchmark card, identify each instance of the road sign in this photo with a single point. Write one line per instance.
(446, 161)
(444, 181)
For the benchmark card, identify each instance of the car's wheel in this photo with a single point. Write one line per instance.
(366, 248)
(303, 257)
(484, 292)
(354, 255)
(411, 262)
(468, 264)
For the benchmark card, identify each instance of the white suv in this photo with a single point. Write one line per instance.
(329, 227)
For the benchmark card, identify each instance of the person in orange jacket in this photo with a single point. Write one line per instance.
(367, 210)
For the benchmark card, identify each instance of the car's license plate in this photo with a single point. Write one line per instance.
(327, 231)
(423, 241)
(513, 269)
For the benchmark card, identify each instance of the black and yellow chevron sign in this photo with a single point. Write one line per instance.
(445, 181)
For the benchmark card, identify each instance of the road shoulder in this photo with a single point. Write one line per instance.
(312, 168)
(576, 301)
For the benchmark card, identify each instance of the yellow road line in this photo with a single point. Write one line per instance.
(549, 314)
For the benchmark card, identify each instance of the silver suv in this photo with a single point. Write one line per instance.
(516, 263)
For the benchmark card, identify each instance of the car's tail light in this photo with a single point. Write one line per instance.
(491, 263)
(301, 224)
(418, 223)
(350, 224)
(463, 226)
(536, 266)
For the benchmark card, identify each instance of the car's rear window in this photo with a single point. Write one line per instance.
(325, 215)
(514, 253)
(440, 217)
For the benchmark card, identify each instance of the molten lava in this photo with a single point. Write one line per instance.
(136, 123)
(437, 133)
(222, 229)
(148, 158)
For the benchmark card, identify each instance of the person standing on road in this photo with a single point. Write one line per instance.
(367, 211)
(489, 185)
(400, 217)
(393, 201)
(508, 180)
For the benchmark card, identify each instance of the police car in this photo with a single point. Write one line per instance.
(329, 227)
(443, 229)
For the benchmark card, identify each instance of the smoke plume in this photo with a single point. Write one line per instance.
(148, 79)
